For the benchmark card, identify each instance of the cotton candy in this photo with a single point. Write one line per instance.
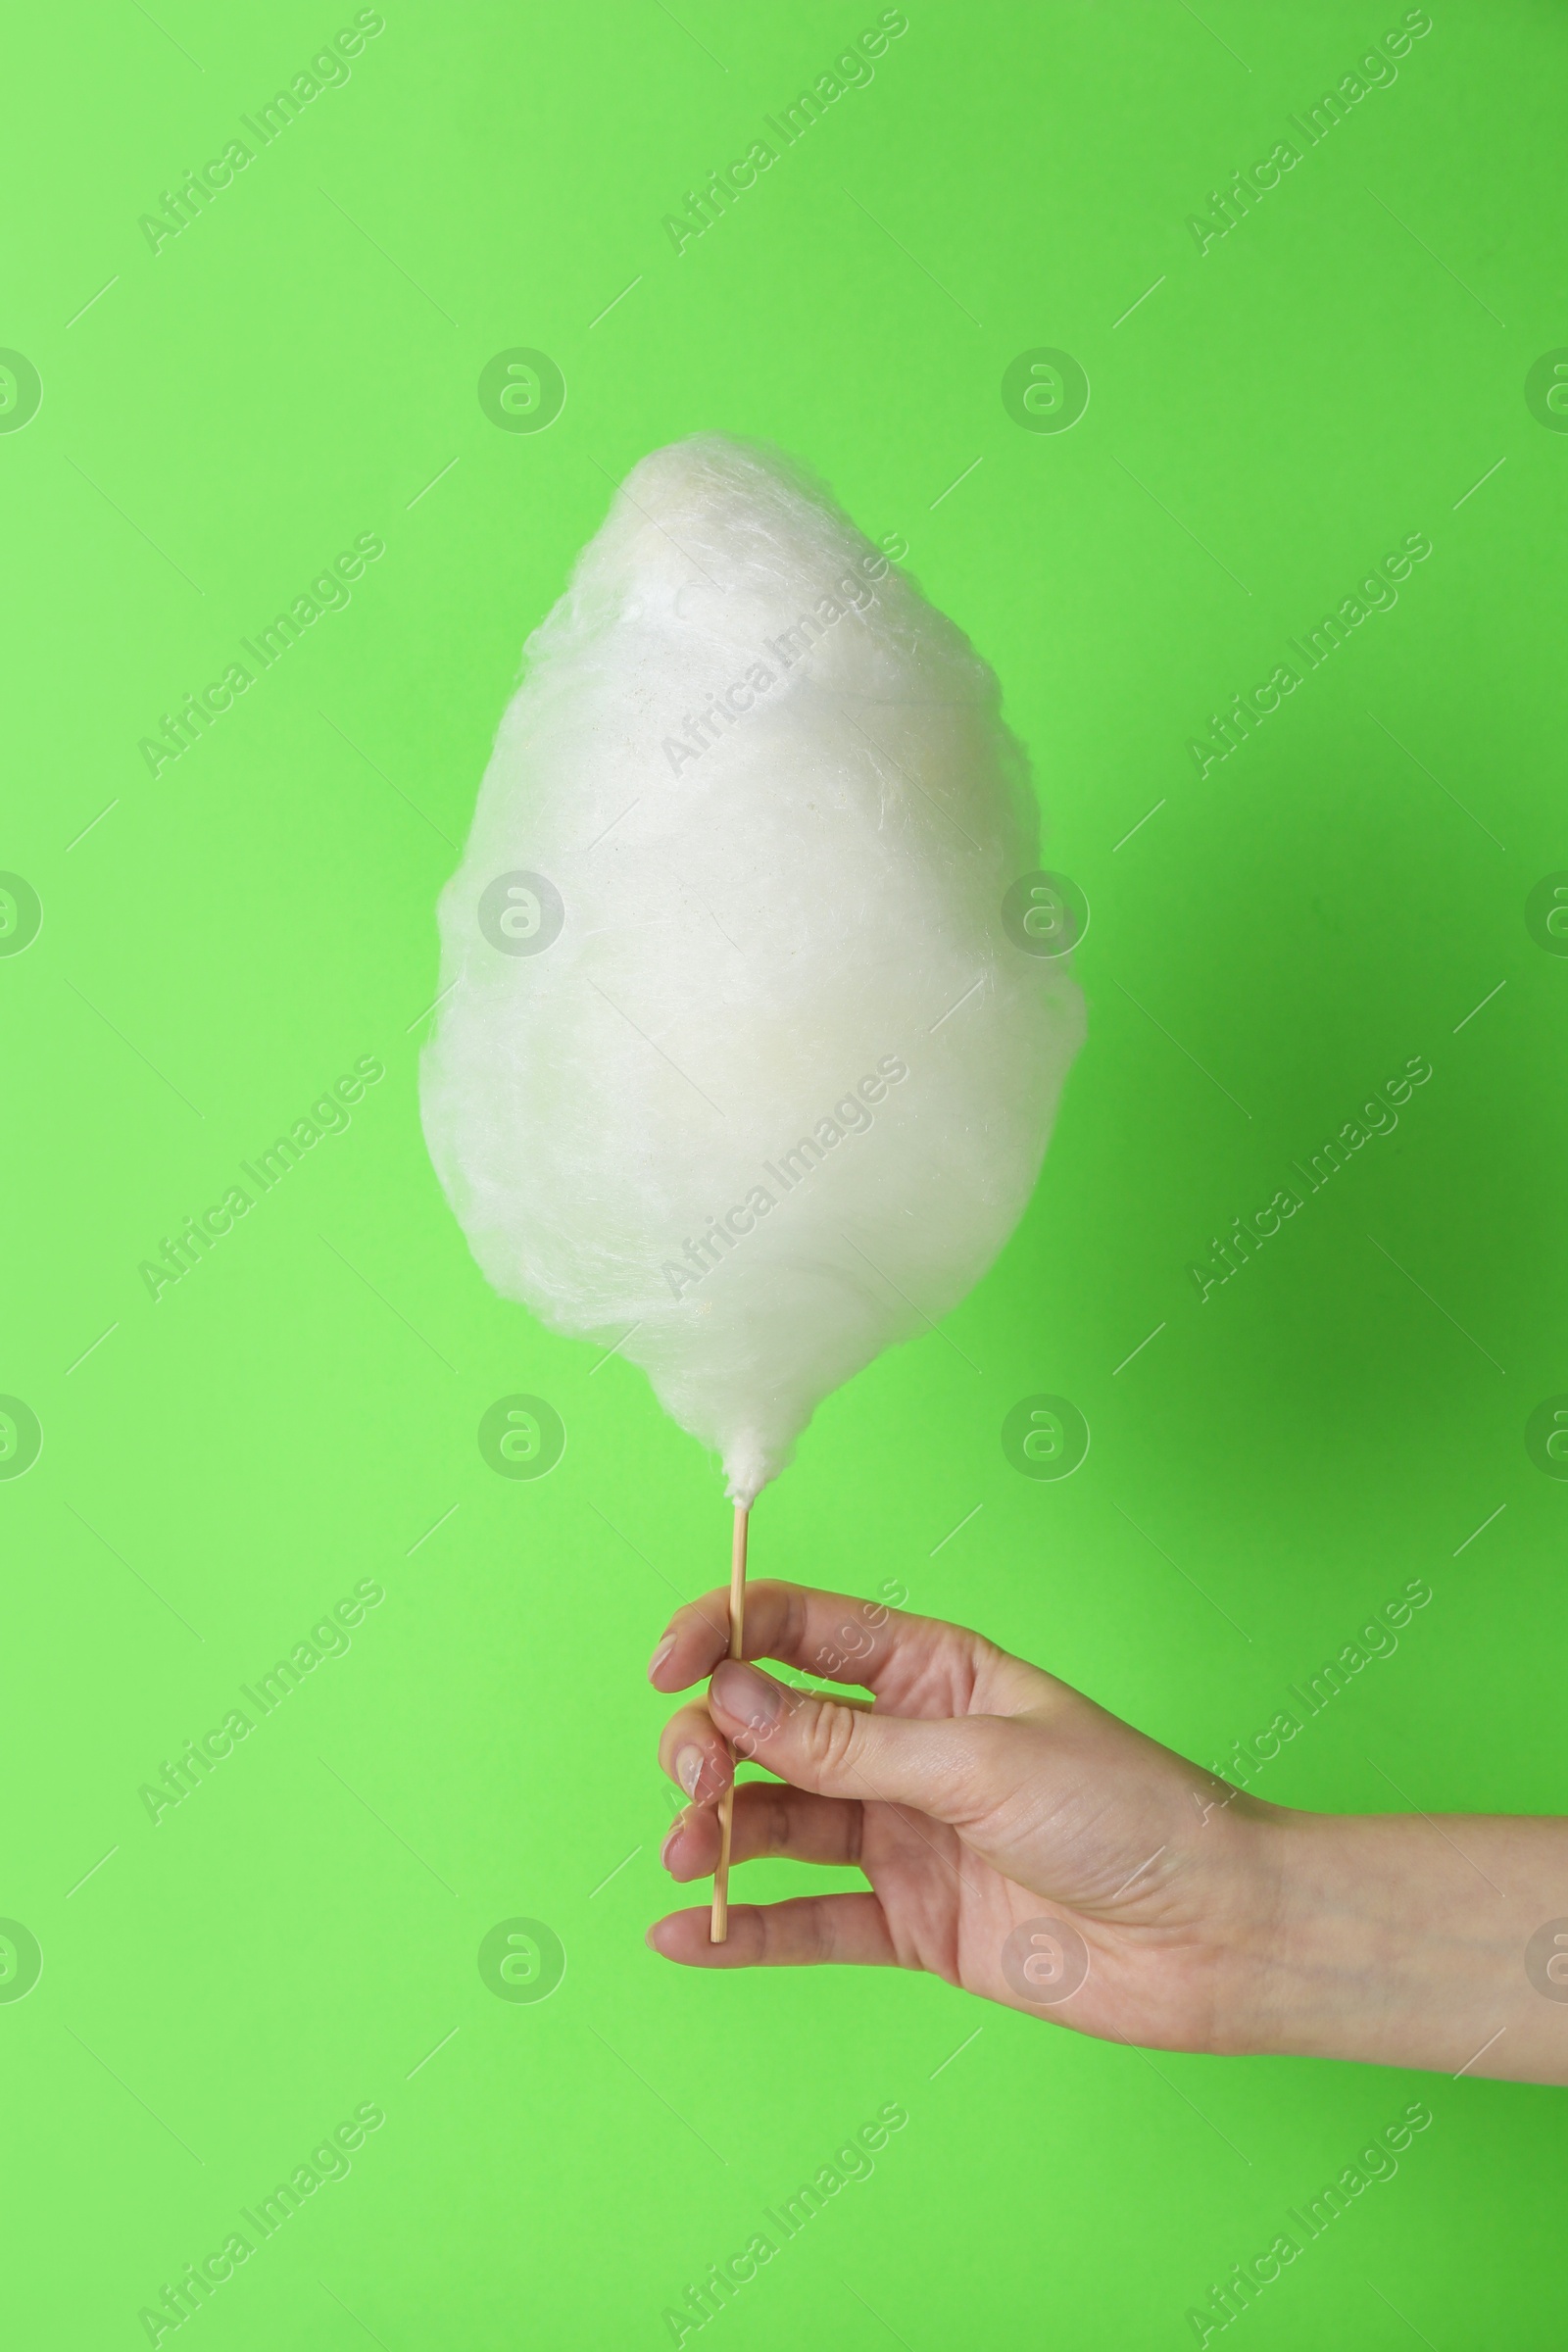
(741, 1067)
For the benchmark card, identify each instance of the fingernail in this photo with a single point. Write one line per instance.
(664, 1851)
(688, 1768)
(660, 1656)
(741, 1691)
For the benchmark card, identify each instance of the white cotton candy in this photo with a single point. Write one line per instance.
(741, 1067)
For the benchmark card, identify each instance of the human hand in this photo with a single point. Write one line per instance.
(1024, 1843)
(1013, 1833)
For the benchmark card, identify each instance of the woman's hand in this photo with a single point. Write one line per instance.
(1022, 1842)
(1013, 1833)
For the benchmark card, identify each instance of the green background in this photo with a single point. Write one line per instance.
(219, 1466)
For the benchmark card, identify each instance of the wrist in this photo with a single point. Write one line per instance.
(1322, 1956)
(1401, 1941)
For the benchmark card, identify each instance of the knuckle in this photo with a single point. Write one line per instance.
(830, 1737)
(792, 1630)
(982, 1768)
(775, 1825)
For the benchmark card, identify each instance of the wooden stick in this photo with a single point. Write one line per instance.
(719, 1932)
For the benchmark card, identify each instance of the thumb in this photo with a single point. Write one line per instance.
(946, 1768)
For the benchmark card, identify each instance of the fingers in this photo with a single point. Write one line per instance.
(917, 1664)
(845, 1929)
(770, 1820)
(956, 1770)
(693, 1753)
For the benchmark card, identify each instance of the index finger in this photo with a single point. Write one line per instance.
(915, 1665)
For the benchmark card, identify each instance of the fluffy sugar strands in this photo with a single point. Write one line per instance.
(741, 1067)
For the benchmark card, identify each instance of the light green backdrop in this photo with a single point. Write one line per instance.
(1271, 411)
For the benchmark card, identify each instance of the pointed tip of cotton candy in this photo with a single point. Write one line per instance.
(747, 1470)
(736, 1046)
